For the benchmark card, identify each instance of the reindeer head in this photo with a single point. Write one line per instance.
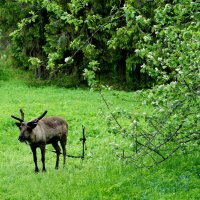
(26, 127)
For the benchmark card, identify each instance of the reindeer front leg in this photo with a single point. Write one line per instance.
(42, 147)
(33, 148)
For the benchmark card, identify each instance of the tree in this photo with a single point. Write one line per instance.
(170, 55)
(50, 32)
(10, 14)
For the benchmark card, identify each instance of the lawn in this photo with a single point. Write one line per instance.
(101, 175)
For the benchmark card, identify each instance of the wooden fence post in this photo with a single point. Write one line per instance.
(83, 139)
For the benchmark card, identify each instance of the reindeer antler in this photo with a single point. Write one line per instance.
(17, 118)
(22, 116)
(35, 121)
(41, 116)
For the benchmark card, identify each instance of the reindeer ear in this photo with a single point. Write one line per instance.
(18, 124)
(31, 125)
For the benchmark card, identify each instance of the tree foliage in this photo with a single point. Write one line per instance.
(88, 32)
(171, 55)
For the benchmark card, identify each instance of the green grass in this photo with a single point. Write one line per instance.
(101, 175)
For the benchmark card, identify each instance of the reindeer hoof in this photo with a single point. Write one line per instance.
(44, 170)
(36, 170)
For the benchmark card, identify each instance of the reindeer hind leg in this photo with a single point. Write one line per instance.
(63, 142)
(42, 147)
(57, 148)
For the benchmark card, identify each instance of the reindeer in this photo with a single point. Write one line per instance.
(42, 131)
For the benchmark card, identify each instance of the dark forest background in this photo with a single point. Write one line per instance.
(130, 44)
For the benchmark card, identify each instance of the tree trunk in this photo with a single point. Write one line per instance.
(136, 73)
(121, 67)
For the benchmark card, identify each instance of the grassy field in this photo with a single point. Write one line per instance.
(101, 175)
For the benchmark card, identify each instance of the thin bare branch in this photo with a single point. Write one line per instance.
(107, 105)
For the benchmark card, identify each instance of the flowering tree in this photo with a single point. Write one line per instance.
(171, 56)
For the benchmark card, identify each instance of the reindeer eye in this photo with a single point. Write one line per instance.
(29, 129)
